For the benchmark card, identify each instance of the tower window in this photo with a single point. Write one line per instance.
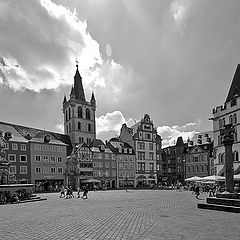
(87, 114)
(89, 127)
(69, 113)
(79, 112)
(66, 115)
(79, 125)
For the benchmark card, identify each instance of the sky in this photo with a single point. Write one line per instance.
(174, 60)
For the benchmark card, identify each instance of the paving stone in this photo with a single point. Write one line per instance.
(118, 215)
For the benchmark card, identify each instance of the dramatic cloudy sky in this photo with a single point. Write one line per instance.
(174, 60)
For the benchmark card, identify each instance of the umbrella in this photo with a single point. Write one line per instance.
(236, 177)
(213, 178)
(91, 181)
(195, 178)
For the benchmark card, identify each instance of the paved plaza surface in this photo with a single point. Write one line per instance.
(135, 214)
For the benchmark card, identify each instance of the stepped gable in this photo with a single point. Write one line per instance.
(235, 86)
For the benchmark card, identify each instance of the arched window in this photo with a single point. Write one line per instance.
(219, 157)
(235, 118)
(179, 169)
(223, 122)
(67, 129)
(66, 115)
(79, 112)
(89, 127)
(188, 169)
(70, 127)
(69, 113)
(231, 119)
(87, 114)
(79, 125)
(220, 123)
(219, 140)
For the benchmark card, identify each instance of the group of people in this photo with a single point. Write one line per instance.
(67, 192)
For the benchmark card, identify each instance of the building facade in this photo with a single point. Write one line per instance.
(229, 113)
(125, 163)
(79, 166)
(142, 136)
(104, 164)
(79, 114)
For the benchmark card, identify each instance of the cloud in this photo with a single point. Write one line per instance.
(109, 125)
(59, 128)
(170, 134)
(44, 40)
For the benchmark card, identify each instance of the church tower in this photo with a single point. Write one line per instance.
(79, 115)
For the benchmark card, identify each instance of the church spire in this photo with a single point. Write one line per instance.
(93, 101)
(64, 99)
(78, 86)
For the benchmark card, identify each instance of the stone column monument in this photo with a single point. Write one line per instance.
(228, 138)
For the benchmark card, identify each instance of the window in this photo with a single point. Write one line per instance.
(107, 164)
(81, 140)
(235, 118)
(53, 170)
(130, 150)
(60, 170)
(89, 127)
(23, 158)
(47, 170)
(220, 123)
(87, 114)
(141, 155)
(12, 157)
(38, 170)
(150, 146)
(52, 159)
(23, 169)
(23, 147)
(59, 159)
(37, 158)
(140, 134)
(113, 164)
(95, 173)
(151, 167)
(13, 169)
(147, 135)
(14, 146)
(131, 174)
(179, 169)
(231, 119)
(114, 173)
(6, 146)
(45, 158)
(125, 166)
(69, 114)
(120, 166)
(151, 156)
(106, 156)
(79, 112)
(141, 166)
(107, 173)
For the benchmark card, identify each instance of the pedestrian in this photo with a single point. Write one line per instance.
(62, 191)
(67, 192)
(197, 192)
(85, 193)
(78, 192)
(71, 192)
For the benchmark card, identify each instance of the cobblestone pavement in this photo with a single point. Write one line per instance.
(135, 215)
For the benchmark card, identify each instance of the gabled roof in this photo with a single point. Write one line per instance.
(235, 86)
(25, 134)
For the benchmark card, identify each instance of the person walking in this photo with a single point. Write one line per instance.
(71, 192)
(78, 192)
(85, 193)
(62, 193)
(197, 192)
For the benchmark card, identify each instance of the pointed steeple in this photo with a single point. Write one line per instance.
(72, 94)
(93, 101)
(64, 99)
(234, 90)
(78, 86)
